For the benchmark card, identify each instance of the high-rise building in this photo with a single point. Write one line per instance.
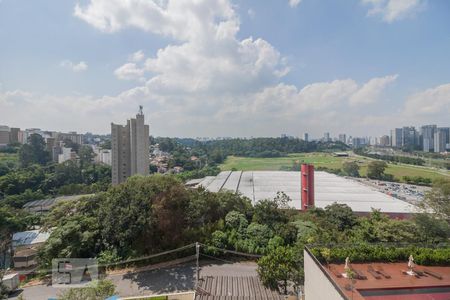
(14, 135)
(130, 149)
(409, 136)
(384, 141)
(343, 138)
(22, 136)
(358, 142)
(441, 139)
(427, 132)
(72, 136)
(326, 137)
(397, 138)
(4, 135)
(306, 137)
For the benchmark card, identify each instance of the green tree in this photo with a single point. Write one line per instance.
(144, 214)
(11, 220)
(86, 155)
(258, 236)
(106, 144)
(340, 216)
(432, 229)
(281, 267)
(34, 152)
(68, 143)
(99, 290)
(351, 168)
(305, 230)
(19, 181)
(76, 230)
(272, 212)
(67, 172)
(438, 199)
(237, 221)
(375, 169)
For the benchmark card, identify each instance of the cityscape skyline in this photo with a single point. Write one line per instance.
(227, 68)
(427, 138)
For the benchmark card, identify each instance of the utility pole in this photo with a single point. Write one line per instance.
(197, 254)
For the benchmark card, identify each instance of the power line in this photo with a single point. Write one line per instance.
(234, 252)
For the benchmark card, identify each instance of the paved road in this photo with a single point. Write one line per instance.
(165, 280)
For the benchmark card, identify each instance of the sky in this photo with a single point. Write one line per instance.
(223, 68)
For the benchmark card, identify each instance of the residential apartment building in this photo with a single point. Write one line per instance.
(306, 137)
(72, 136)
(4, 135)
(384, 141)
(129, 149)
(14, 135)
(427, 133)
(397, 138)
(409, 136)
(441, 139)
(343, 138)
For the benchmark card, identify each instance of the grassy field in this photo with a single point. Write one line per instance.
(276, 163)
(325, 160)
(8, 156)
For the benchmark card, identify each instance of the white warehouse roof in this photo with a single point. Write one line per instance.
(329, 188)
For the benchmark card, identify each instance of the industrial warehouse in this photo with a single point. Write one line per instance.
(326, 189)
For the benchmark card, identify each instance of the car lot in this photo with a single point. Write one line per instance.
(413, 194)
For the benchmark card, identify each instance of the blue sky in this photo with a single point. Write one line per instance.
(226, 68)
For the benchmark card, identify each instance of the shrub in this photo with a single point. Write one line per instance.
(438, 255)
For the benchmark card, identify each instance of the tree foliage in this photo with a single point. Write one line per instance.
(350, 168)
(281, 267)
(98, 290)
(144, 215)
(34, 152)
(375, 169)
(438, 199)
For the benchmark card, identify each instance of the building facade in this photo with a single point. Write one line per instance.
(384, 141)
(397, 138)
(4, 136)
(409, 136)
(441, 139)
(427, 133)
(129, 149)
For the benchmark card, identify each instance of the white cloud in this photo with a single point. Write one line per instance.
(137, 56)
(393, 10)
(129, 71)
(208, 58)
(75, 67)
(370, 91)
(180, 19)
(294, 3)
(208, 81)
(287, 101)
(251, 13)
(431, 102)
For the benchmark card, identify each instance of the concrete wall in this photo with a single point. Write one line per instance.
(317, 284)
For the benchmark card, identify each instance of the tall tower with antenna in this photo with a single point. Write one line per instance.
(130, 148)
